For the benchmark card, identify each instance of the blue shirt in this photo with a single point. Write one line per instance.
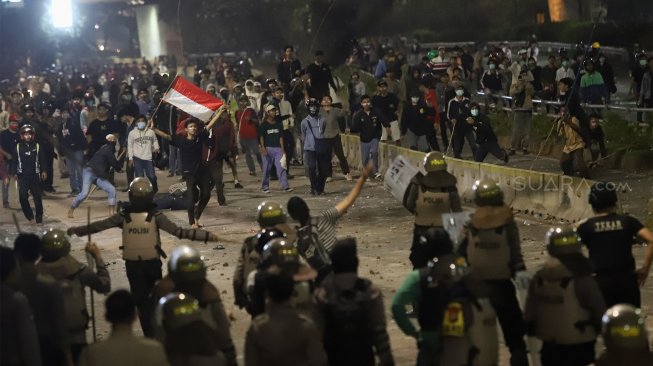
(312, 128)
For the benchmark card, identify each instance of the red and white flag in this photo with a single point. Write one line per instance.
(189, 98)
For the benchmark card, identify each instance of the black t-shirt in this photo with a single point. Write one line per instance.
(387, 104)
(190, 151)
(271, 133)
(99, 130)
(609, 239)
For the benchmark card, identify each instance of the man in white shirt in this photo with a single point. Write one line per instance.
(142, 144)
(565, 71)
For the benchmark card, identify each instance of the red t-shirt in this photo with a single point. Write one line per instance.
(247, 124)
(432, 100)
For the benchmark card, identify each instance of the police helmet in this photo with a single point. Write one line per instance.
(270, 214)
(487, 193)
(54, 245)
(434, 162)
(141, 192)
(28, 108)
(176, 310)
(281, 252)
(186, 264)
(562, 240)
(432, 54)
(266, 235)
(624, 328)
(603, 195)
(447, 269)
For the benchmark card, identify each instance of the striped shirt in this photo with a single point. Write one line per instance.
(326, 227)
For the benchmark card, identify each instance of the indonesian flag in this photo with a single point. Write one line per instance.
(191, 99)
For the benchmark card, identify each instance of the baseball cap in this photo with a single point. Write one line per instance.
(270, 107)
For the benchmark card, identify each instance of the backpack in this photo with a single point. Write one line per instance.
(310, 246)
(74, 299)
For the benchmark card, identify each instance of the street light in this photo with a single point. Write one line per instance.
(62, 14)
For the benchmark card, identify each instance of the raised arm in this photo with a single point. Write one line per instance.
(343, 205)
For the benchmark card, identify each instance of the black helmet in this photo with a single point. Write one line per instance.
(26, 129)
(447, 270)
(28, 108)
(487, 193)
(270, 214)
(186, 264)
(176, 310)
(141, 193)
(563, 240)
(603, 195)
(45, 105)
(434, 242)
(434, 162)
(270, 81)
(264, 236)
(313, 106)
(282, 253)
(54, 245)
(624, 328)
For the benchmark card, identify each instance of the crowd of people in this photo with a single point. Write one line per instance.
(299, 283)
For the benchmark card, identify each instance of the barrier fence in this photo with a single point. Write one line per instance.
(539, 194)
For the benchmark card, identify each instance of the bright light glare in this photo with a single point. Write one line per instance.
(101, 47)
(97, 26)
(62, 13)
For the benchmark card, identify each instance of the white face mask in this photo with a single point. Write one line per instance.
(460, 92)
(474, 112)
(141, 125)
(414, 99)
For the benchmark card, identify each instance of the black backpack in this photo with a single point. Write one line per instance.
(311, 248)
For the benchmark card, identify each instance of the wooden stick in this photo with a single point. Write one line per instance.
(91, 265)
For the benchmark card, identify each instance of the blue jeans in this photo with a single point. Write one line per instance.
(90, 178)
(370, 150)
(174, 161)
(250, 149)
(145, 168)
(273, 158)
(75, 163)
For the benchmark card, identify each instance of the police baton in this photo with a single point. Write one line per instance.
(91, 265)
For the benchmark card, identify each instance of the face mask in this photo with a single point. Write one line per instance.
(270, 98)
(642, 62)
(312, 111)
(90, 104)
(365, 104)
(126, 97)
(493, 66)
(414, 99)
(140, 125)
(474, 112)
(460, 92)
(565, 63)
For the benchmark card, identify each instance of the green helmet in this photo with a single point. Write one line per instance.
(141, 192)
(176, 310)
(186, 264)
(563, 240)
(432, 54)
(487, 193)
(624, 328)
(281, 252)
(434, 162)
(270, 214)
(54, 245)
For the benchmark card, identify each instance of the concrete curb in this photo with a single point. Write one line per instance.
(540, 194)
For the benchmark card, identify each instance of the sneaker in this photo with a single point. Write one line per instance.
(288, 190)
(329, 179)
(266, 190)
(238, 185)
(348, 177)
(378, 176)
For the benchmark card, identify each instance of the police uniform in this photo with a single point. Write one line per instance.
(564, 304)
(491, 244)
(428, 197)
(141, 246)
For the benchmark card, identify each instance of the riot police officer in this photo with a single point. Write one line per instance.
(625, 337)
(609, 238)
(491, 244)
(428, 197)
(280, 256)
(269, 215)
(141, 244)
(564, 304)
(423, 290)
(73, 276)
(186, 334)
(351, 312)
(187, 275)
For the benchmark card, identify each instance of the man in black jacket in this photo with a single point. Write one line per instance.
(27, 162)
(368, 122)
(97, 171)
(288, 68)
(485, 136)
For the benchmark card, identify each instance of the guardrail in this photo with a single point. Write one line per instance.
(539, 194)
